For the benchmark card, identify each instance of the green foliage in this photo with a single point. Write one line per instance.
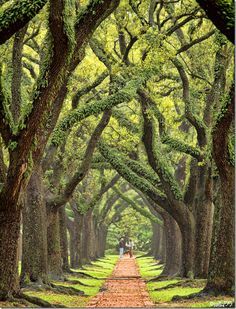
(164, 171)
(18, 10)
(137, 207)
(131, 225)
(12, 145)
(121, 167)
(69, 23)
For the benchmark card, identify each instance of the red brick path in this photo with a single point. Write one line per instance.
(124, 288)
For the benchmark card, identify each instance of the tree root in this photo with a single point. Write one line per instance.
(56, 288)
(203, 294)
(165, 277)
(144, 255)
(185, 283)
(78, 282)
(98, 266)
(230, 304)
(60, 289)
(37, 301)
(160, 278)
(107, 260)
(84, 275)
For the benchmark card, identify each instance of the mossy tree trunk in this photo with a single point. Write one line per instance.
(78, 225)
(88, 234)
(34, 258)
(221, 275)
(84, 244)
(9, 234)
(203, 214)
(173, 247)
(70, 227)
(102, 240)
(64, 240)
(156, 241)
(54, 245)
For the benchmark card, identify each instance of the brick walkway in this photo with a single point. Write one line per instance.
(124, 288)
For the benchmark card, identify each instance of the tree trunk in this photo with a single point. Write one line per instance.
(204, 223)
(92, 243)
(187, 228)
(163, 246)
(221, 271)
(64, 240)
(156, 241)
(173, 247)
(78, 225)
(84, 243)
(54, 248)
(161, 250)
(87, 233)
(101, 242)
(221, 275)
(34, 259)
(71, 229)
(9, 234)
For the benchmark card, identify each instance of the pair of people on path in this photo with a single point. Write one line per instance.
(123, 246)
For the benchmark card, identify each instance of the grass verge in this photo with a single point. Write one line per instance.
(161, 294)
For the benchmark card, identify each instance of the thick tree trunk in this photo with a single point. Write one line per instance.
(221, 275)
(156, 241)
(86, 237)
(70, 226)
(54, 248)
(84, 243)
(161, 249)
(187, 228)
(78, 225)
(173, 247)
(64, 240)
(101, 242)
(93, 240)
(34, 259)
(9, 234)
(163, 246)
(204, 223)
(221, 271)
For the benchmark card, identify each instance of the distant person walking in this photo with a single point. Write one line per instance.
(121, 247)
(130, 245)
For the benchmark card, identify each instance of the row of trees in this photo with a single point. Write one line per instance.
(163, 144)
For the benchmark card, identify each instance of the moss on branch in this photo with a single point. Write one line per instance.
(136, 207)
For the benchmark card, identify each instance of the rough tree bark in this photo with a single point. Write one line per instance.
(78, 225)
(221, 273)
(34, 258)
(64, 240)
(173, 247)
(70, 227)
(54, 246)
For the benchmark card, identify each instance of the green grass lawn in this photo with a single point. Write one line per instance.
(100, 269)
(163, 297)
(148, 267)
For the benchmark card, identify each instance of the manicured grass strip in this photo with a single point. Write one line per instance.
(60, 299)
(166, 295)
(161, 284)
(100, 269)
(149, 268)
